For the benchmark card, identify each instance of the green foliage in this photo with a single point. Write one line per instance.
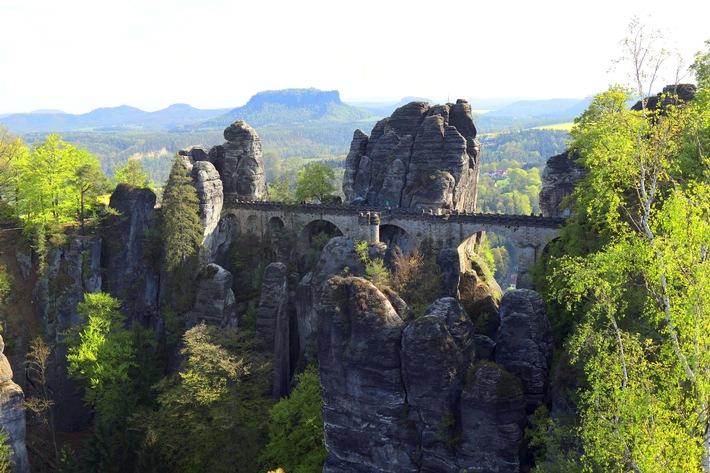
(632, 271)
(101, 356)
(6, 452)
(181, 228)
(296, 427)
(133, 174)
(216, 400)
(377, 273)
(516, 194)
(417, 278)
(279, 189)
(314, 183)
(5, 284)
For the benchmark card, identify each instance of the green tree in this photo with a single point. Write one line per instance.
(636, 278)
(12, 152)
(101, 356)
(181, 227)
(296, 429)
(89, 182)
(133, 174)
(216, 400)
(314, 182)
(6, 452)
(280, 189)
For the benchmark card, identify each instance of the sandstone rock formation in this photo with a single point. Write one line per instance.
(492, 421)
(273, 325)
(362, 387)
(559, 179)
(412, 396)
(130, 254)
(208, 184)
(12, 414)
(214, 302)
(421, 157)
(337, 255)
(240, 163)
(524, 342)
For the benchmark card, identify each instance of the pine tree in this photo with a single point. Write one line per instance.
(182, 230)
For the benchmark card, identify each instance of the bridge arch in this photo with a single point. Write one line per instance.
(394, 235)
(314, 233)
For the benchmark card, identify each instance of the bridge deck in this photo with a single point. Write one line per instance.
(447, 216)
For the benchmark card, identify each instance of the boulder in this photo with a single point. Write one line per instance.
(524, 342)
(12, 414)
(420, 157)
(437, 349)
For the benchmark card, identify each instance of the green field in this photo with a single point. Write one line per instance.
(555, 126)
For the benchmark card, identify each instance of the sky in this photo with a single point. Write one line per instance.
(78, 55)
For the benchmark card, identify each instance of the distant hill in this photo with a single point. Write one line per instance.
(288, 107)
(542, 108)
(385, 109)
(108, 119)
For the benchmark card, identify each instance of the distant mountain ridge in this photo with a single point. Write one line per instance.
(123, 116)
(288, 107)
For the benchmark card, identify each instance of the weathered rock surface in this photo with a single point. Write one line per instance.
(450, 265)
(273, 325)
(480, 300)
(208, 185)
(130, 255)
(437, 350)
(12, 414)
(240, 163)
(338, 254)
(524, 342)
(559, 179)
(362, 388)
(405, 397)
(214, 301)
(421, 157)
(492, 420)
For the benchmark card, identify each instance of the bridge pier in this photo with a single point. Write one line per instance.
(369, 227)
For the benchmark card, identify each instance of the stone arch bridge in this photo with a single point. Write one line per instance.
(445, 229)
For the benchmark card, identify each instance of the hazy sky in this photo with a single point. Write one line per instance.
(77, 55)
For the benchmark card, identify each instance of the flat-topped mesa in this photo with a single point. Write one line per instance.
(422, 157)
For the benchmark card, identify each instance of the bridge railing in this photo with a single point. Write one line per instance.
(440, 215)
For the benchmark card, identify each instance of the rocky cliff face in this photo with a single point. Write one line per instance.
(412, 396)
(240, 163)
(421, 157)
(559, 179)
(130, 254)
(12, 414)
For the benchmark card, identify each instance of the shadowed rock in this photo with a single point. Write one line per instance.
(362, 389)
(524, 342)
(12, 415)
